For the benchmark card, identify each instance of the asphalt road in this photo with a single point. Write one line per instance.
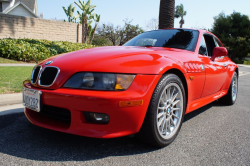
(212, 135)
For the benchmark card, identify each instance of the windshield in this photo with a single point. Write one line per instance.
(172, 38)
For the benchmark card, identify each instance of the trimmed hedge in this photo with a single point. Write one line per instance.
(36, 50)
(245, 62)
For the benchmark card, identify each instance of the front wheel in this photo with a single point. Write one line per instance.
(165, 113)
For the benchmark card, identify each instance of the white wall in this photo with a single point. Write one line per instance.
(20, 11)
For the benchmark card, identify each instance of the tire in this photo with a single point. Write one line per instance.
(165, 112)
(231, 96)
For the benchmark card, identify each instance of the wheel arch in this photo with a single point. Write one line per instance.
(180, 74)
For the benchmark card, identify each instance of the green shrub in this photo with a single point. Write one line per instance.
(246, 62)
(36, 50)
(238, 61)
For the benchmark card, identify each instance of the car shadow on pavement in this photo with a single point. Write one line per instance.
(20, 138)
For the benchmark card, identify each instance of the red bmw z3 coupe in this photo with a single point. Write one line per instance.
(144, 87)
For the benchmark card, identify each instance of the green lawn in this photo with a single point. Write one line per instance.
(4, 60)
(11, 78)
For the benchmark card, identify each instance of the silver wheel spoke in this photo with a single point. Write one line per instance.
(171, 121)
(177, 101)
(162, 101)
(160, 114)
(175, 109)
(173, 99)
(168, 94)
(161, 120)
(168, 125)
(163, 125)
(175, 116)
(172, 94)
(161, 108)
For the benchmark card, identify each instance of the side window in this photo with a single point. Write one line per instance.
(217, 42)
(203, 47)
(210, 44)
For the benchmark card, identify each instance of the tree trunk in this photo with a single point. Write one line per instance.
(92, 35)
(84, 29)
(181, 22)
(166, 14)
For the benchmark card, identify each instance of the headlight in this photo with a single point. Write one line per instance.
(100, 81)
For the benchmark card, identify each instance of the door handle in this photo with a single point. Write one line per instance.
(225, 65)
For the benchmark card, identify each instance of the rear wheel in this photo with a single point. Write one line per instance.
(231, 95)
(165, 113)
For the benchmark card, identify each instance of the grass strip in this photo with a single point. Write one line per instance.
(11, 78)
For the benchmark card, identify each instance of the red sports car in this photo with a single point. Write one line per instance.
(144, 87)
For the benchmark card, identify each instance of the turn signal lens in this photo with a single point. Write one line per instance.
(130, 103)
(123, 81)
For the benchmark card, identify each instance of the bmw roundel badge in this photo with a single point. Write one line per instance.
(48, 62)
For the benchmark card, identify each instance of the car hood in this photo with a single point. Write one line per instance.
(117, 59)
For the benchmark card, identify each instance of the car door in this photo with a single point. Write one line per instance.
(216, 72)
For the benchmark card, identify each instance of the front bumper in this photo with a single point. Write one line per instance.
(123, 120)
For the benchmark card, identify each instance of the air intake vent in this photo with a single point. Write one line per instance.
(35, 74)
(48, 76)
(56, 113)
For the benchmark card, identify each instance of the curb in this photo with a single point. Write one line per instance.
(11, 109)
(10, 99)
(248, 66)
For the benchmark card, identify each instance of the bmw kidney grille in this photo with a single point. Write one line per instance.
(48, 76)
(35, 74)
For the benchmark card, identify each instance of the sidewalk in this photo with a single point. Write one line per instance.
(248, 66)
(11, 103)
(10, 99)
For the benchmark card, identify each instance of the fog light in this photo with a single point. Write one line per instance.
(96, 117)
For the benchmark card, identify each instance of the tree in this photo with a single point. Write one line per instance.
(128, 32)
(86, 17)
(119, 35)
(166, 14)
(69, 12)
(91, 30)
(233, 30)
(152, 24)
(179, 12)
(109, 32)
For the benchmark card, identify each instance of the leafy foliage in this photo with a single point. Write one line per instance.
(70, 12)
(119, 35)
(179, 12)
(245, 62)
(101, 41)
(36, 50)
(86, 18)
(234, 32)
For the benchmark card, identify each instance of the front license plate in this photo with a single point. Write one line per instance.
(31, 99)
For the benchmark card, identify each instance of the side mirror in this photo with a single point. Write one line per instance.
(219, 51)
